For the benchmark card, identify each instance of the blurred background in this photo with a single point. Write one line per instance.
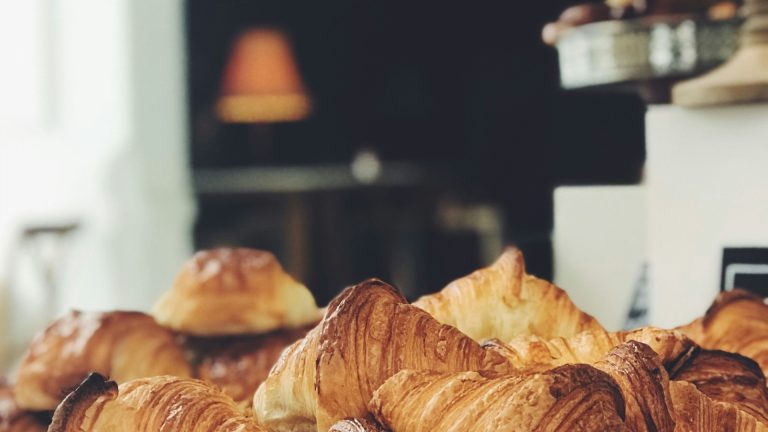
(407, 141)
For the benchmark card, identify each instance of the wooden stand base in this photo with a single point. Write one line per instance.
(744, 78)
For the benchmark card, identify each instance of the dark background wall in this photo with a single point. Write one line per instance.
(467, 87)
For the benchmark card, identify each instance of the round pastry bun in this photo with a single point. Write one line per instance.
(235, 291)
(238, 364)
(121, 345)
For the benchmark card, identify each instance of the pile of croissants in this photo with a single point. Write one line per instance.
(238, 345)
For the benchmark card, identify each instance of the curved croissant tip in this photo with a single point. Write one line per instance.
(514, 253)
(374, 282)
(74, 405)
(368, 287)
(512, 257)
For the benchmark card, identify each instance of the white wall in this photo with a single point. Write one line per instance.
(707, 188)
(109, 151)
(599, 247)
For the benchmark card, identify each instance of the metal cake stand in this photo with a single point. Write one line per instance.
(645, 51)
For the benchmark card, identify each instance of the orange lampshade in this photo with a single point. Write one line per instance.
(261, 82)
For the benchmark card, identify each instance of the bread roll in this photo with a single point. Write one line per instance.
(235, 291)
(15, 419)
(238, 364)
(122, 345)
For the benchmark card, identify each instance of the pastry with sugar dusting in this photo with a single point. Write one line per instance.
(235, 291)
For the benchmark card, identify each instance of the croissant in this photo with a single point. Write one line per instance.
(357, 425)
(728, 377)
(122, 345)
(723, 377)
(238, 364)
(368, 334)
(736, 322)
(162, 403)
(645, 385)
(637, 369)
(569, 398)
(235, 291)
(512, 303)
(694, 330)
(15, 419)
(537, 354)
(695, 412)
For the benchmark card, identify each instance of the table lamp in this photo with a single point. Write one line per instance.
(261, 82)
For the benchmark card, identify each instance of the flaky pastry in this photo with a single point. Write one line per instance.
(728, 377)
(238, 364)
(161, 403)
(695, 412)
(368, 334)
(15, 419)
(736, 322)
(538, 354)
(503, 302)
(574, 398)
(357, 425)
(121, 345)
(235, 291)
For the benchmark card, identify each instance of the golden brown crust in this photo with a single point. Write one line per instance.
(726, 300)
(394, 335)
(723, 377)
(238, 364)
(695, 412)
(235, 291)
(161, 403)
(15, 419)
(369, 333)
(637, 369)
(537, 354)
(357, 425)
(728, 377)
(122, 345)
(694, 330)
(286, 400)
(736, 322)
(512, 302)
(569, 398)
(645, 385)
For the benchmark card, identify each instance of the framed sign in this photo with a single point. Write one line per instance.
(745, 268)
